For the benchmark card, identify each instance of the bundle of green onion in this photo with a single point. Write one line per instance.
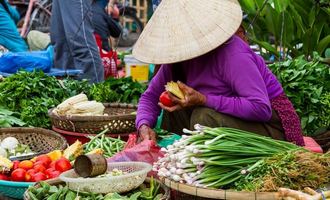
(216, 157)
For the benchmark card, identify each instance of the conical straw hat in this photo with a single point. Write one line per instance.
(184, 29)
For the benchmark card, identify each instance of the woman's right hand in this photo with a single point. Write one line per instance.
(146, 133)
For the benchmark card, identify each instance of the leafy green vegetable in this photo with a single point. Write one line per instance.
(307, 84)
(123, 90)
(47, 192)
(32, 94)
(8, 118)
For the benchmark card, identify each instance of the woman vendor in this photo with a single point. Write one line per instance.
(223, 81)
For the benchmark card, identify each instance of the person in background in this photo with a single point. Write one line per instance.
(223, 81)
(104, 25)
(9, 35)
(72, 35)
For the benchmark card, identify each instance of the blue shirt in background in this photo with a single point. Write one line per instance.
(9, 36)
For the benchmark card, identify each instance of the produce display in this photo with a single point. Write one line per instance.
(10, 147)
(37, 169)
(307, 84)
(31, 94)
(294, 169)
(105, 145)
(49, 192)
(9, 118)
(217, 157)
(123, 90)
(79, 105)
(41, 167)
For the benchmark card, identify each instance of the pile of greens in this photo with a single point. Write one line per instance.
(9, 118)
(307, 84)
(32, 94)
(123, 90)
(295, 170)
(46, 191)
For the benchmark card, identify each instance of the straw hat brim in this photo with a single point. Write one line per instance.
(184, 29)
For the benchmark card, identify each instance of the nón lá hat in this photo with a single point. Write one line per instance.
(184, 29)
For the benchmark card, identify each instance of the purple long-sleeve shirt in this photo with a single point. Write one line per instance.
(234, 79)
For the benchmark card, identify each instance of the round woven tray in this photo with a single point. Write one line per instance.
(38, 139)
(165, 191)
(187, 192)
(119, 120)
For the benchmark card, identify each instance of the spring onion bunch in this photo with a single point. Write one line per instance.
(216, 157)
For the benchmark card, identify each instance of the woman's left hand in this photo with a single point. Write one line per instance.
(191, 98)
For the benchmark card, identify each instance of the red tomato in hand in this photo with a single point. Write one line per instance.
(39, 177)
(63, 165)
(44, 159)
(4, 177)
(26, 164)
(165, 99)
(39, 168)
(15, 164)
(18, 175)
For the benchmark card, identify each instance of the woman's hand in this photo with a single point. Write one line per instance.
(191, 98)
(146, 133)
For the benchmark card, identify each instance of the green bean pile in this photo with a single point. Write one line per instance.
(110, 146)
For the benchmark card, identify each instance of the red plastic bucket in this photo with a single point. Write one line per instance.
(71, 137)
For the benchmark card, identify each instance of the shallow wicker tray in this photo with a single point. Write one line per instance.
(119, 120)
(38, 139)
(164, 189)
(188, 192)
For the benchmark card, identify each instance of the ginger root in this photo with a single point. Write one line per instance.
(289, 194)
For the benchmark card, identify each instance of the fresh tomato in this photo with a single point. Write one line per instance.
(32, 172)
(39, 177)
(29, 175)
(26, 164)
(44, 159)
(18, 175)
(165, 99)
(54, 174)
(52, 165)
(49, 171)
(39, 168)
(4, 177)
(63, 165)
(15, 164)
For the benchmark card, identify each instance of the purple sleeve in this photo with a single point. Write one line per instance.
(148, 109)
(250, 100)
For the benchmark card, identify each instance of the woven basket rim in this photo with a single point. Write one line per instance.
(218, 193)
(37, 130)
(98, 118)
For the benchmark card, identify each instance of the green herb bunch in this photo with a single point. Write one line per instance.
(123, 90)
(307, 84)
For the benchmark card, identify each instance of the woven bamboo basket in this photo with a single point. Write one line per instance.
(181, 191)
(165, 190)
(38, 139)
(119, 120)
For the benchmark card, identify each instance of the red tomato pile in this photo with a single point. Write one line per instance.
(37, 169)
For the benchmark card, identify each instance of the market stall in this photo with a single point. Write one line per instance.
(213, 121)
